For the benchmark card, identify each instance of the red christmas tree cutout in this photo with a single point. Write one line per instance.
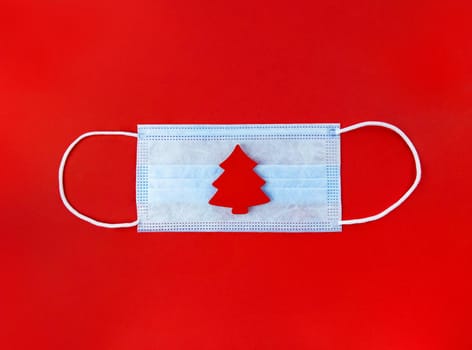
(239, 187)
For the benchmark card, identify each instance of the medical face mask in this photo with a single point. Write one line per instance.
(239, 178)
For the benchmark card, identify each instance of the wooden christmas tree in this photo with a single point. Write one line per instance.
(239, 187)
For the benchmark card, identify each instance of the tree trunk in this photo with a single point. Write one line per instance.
(240, 210)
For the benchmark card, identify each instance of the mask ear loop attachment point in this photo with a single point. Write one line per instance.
(62, 193)
(407, 194)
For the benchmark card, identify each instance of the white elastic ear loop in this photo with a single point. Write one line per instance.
(61, 179)
(407, 193)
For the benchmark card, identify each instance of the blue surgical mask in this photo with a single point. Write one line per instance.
(297, 167)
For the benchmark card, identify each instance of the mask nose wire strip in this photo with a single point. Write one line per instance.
(61, 179)
(407, 194)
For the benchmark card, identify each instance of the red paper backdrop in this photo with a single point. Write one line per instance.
(67, 67)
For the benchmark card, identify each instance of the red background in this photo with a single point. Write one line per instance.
(67, 67)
